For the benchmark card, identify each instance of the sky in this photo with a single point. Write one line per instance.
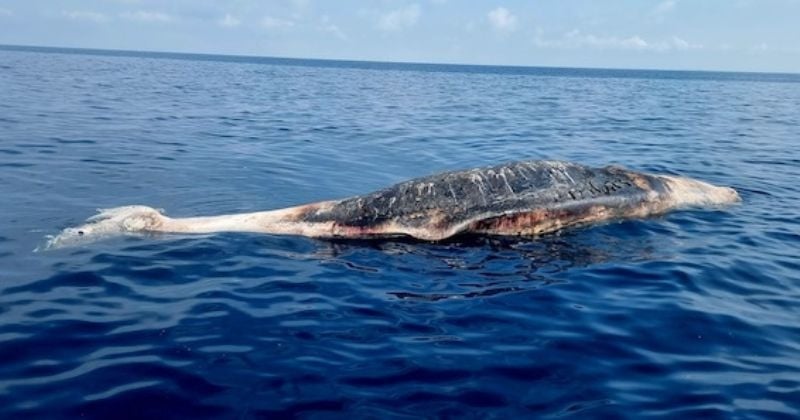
(735, 35)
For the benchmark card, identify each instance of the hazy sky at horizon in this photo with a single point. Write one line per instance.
(748, 35)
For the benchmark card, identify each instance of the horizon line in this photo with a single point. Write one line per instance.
(134, 52)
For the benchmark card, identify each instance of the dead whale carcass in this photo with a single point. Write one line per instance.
(518, 198)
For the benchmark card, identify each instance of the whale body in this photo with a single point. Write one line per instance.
(517, 198)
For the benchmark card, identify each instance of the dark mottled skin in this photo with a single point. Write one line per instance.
(550, 189)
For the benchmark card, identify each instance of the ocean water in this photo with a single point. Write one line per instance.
(695, 313)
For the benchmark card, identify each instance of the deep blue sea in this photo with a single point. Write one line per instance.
(692, 314)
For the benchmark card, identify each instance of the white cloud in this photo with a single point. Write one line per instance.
(327, 26)
(502, 20)
(763, 47)
(301, 4)
(270, 22)
(147, 16)
(229, 21)
(399, 19)
(87, 15)
(680, 44)
(576, 39)
(665, 7)
(676, 43)
(662, 10)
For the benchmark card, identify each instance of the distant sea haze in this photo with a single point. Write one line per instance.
(691, 314)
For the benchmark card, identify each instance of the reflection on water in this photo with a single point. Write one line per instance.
(477, 267)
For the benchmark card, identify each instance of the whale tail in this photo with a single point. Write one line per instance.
(108, 223)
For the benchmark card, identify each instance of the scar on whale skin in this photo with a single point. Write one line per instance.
(517, 198)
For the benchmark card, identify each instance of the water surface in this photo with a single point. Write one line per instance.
(691, 314)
